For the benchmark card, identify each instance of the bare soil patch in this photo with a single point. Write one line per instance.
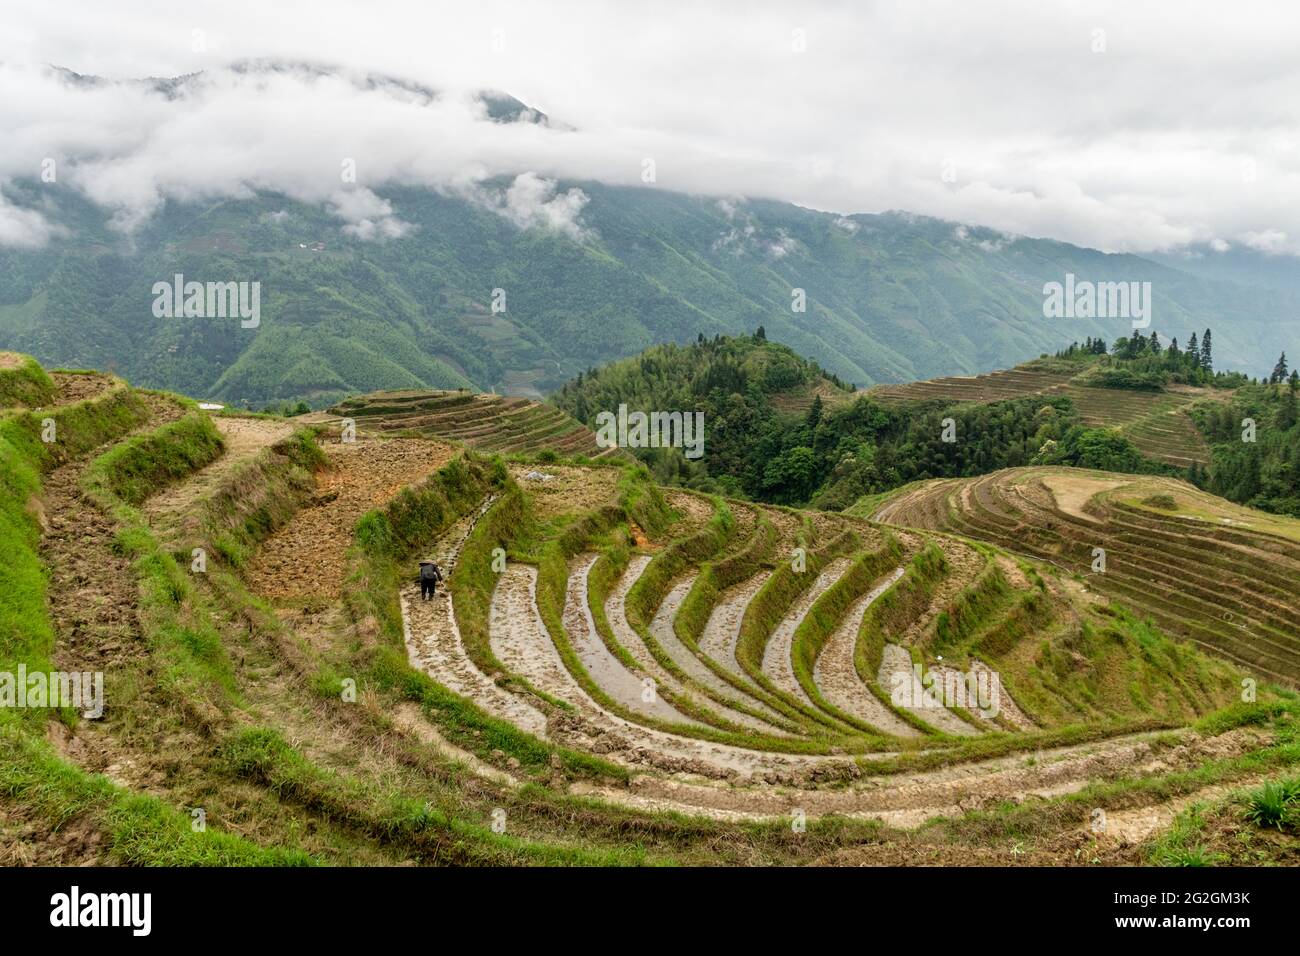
(1072, 492)
(568, 489)
(307, 557)
(75, 388)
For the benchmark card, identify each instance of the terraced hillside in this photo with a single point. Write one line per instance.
(798, 687)
(481, 420)
(1156, 422)
(1204, 569)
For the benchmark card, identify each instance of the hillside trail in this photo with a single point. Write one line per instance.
(93, 600)
(907, 800)
(306, 559)
(433, 638)
(244, 439)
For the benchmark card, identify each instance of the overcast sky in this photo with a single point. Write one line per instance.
(1123, 126)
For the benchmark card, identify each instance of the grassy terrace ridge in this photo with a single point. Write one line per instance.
(23, 382)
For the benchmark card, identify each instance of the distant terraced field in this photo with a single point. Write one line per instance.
(485, 421)
(1156, 422)
(1202, 568)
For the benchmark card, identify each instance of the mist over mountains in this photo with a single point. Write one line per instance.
(388, 278)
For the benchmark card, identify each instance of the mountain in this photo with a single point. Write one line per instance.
(587, 273)
(1244, 266)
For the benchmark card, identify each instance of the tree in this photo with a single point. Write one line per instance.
(760, 334)
(1279, 371)
(814, 414)
(1193, 350)
(1207, 358)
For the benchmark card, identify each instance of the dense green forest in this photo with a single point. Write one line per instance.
(1258, 466)
(848, 446)
(835, 452)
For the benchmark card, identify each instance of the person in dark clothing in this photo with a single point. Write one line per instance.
(430, 575)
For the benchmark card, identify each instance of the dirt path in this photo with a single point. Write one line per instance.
(92, 592)
(306, 558)
(837, 677)
(244, 438)
(1141, 824)
(433, 641)
(908, 800)
(777, 662)
(897, 661)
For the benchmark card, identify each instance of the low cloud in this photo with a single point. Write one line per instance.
(534, 202)
(1178, 130)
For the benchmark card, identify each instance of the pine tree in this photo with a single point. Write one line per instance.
(1194, 351)
(760, 334)
(1279, 371)
(1207, 357)
(1155, 342)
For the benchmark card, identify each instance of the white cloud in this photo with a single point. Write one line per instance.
(1182, 131)
(25, 228)
(1273, 242)
(533, 202)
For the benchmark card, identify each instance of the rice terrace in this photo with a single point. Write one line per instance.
(854, 447)
(621, 672)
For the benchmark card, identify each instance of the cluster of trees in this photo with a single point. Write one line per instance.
(1264, 472)
(832, 455)
(1143, 362)
(837, 452)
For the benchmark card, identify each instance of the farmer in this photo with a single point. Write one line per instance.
(430, 575)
